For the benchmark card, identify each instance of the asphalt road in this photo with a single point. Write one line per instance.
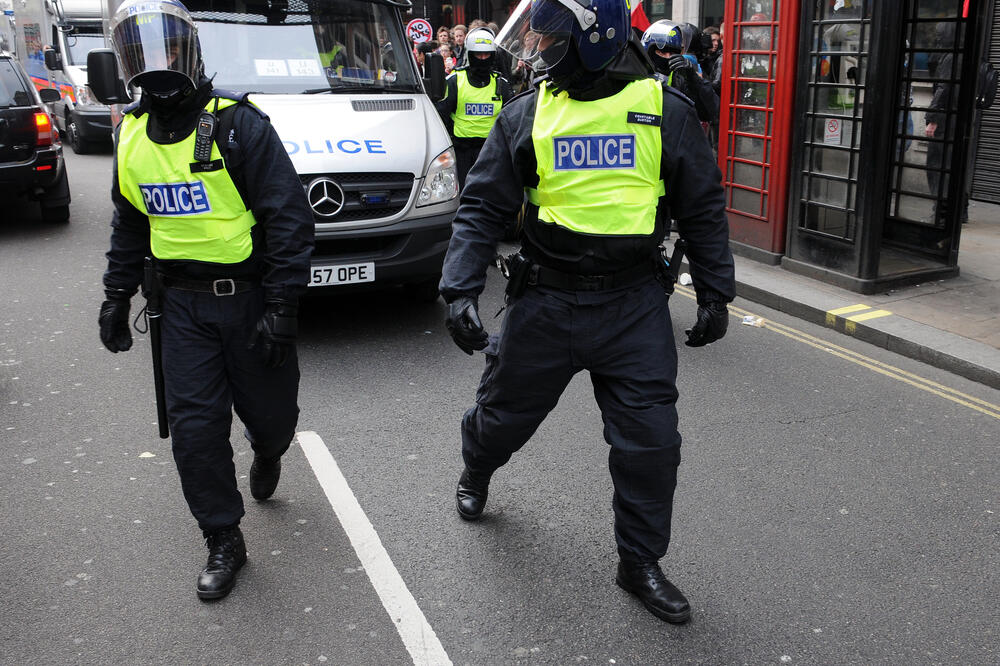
(828, 511)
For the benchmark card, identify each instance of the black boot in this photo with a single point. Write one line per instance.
(264, 475)
(226, 554)
(646, 581)
(470, 498)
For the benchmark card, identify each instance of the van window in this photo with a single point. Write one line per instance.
(12, 90)
(304, 46)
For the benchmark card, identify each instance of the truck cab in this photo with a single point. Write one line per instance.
(53, 40)
(341, 87)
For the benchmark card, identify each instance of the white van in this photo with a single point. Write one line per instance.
(53, 39)
(341, 87)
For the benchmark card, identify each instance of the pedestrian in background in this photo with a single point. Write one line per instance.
(458, 33)
(231, 256)
(606, 155)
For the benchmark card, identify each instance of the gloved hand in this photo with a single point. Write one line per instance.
(464, 325)
(113, 321)
(713, 321)
(681, 66)
(276, 331)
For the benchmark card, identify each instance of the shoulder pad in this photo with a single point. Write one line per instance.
(676, 93)
(242, 98)
(131, 107)
(523, 93)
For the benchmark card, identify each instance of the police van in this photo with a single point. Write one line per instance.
(53, 39)
(343, 91)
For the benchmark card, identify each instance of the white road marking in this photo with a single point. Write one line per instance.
(418, 636)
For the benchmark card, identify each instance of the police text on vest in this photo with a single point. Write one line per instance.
(478, 109)
(165, 199)
(599, 151)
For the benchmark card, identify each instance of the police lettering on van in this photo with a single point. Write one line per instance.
(164, 199)
(347, 146)
(599, 151)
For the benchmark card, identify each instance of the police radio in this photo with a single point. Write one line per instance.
(205, 135)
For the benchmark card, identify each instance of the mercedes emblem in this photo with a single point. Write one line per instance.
(326, 197)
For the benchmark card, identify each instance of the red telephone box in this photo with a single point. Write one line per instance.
(755, 123)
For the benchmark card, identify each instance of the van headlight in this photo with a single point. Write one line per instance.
(84, 97)
(440, 181)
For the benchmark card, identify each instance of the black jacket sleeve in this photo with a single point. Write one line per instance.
(129, 238)
(697, 200)
(273, 192)
(447, 106)
(493, 194)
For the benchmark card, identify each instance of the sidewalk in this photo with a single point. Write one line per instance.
(951, 324)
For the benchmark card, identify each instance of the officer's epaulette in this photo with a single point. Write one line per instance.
(677, 93)
(242, 98)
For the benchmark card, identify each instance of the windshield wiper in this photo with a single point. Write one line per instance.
(345, 89)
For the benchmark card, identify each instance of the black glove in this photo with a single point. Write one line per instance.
(682, 66)
(113, 321)
(276, 331)
(713, 320)
(464, 325)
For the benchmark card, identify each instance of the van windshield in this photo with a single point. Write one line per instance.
(81, 41)
(301, 46)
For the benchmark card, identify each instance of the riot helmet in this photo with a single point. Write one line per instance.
(559, 37)
(156, 42)
(480, 42)
(666, 36)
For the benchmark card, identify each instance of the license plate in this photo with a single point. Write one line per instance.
(342, 274)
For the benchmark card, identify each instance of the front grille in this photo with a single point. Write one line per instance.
(357, 248)
(397, 187)
(382, 104)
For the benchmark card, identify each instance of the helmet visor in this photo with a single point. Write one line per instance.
(539, 31)
(155, 37)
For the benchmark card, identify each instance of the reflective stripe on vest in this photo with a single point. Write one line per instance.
(195, 216)
(476, 108)
(599, 162)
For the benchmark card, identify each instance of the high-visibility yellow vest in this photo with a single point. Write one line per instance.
(193, 214)
(477, 108)
(599, 161)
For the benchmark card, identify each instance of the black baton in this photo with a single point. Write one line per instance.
(151, 290)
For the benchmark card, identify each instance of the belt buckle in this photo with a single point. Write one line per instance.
(224, 287)
(590, 282)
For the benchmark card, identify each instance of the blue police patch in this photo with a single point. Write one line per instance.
(172, 199)
(484, 109)
(597, 151)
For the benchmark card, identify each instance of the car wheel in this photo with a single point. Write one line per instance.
(79, 146)
(425, 292)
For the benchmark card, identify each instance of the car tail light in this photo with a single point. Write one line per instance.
(43, 125)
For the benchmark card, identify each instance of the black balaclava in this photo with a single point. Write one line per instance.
(173, 117)
(480, 70)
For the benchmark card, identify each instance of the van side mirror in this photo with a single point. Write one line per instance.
(434, 81)
(49, 95)
(102, 77)
(53, 59)
(987, 86)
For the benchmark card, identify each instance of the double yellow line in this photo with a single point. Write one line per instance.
(872, 364)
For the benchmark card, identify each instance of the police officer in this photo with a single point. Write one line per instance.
(606, 155)
(231, 235)
(473, 98)
(667, 45)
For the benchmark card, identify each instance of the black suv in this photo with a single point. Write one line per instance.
(31, 159)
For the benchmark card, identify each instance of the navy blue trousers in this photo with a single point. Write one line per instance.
(626, 341)
(208, 371)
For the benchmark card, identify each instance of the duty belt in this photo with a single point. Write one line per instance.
(549, 277)
(223, 287)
